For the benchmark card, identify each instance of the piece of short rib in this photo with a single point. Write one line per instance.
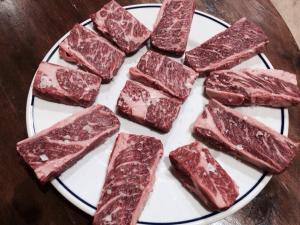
(239, 42)
(200, 173)
(53, 150)
(129, 179)
(245, 137)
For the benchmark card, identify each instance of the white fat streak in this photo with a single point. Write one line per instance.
(139, 108)
(259, 133)
(67, 137)
(211, 168)
(135, 163)
(207, 166)
(188, 84)
(191, 78)
(93, 86)
(48, 75)
(247, 136)
(107, 218)
(274, 146)
(45, 81)
(239, 147)
(108, 203)
(88, 129)
(207, 123)
(219, 199)
(279, 154)
(121, 143)
(44, 157)
(160, 63)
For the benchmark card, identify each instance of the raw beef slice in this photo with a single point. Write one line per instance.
(239, 42)
(245, 137)
(165, 74)
(53, 150)
(65, 85)
(121, 27)
(172, 26)
(148, 106)
(200, 173)
(274, 88)
(129, 179)
(91, 52)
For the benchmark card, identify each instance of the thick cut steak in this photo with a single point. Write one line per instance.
(148, 106)
(65, 85)
(200, 173)
(53, 150)
(121, 27)
(245, 137)
(129, 179)
(239, 42)
(91, 52)
(172, 26)
(165, 74)
(274, 88)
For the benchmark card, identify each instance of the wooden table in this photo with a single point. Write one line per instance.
(27, 31)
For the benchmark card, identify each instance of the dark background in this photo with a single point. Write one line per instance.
(28, 28)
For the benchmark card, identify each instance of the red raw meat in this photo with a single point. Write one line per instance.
(245, 137)
(55, 149)
(274, 88)
(200, 173)
(91, 52)
(129, 179)
(148, 106)
(239, 42)
(121, 27)
(65, 85)
(164, 73)
(172, 26)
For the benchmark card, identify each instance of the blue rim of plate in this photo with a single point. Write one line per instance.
(177, 222)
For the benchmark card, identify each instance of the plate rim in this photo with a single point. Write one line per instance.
(206, 219)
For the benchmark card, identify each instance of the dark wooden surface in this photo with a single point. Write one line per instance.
(28, 28)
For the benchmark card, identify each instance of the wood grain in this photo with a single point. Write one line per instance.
(27, 31)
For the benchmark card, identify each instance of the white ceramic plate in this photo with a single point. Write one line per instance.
(169, 203)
